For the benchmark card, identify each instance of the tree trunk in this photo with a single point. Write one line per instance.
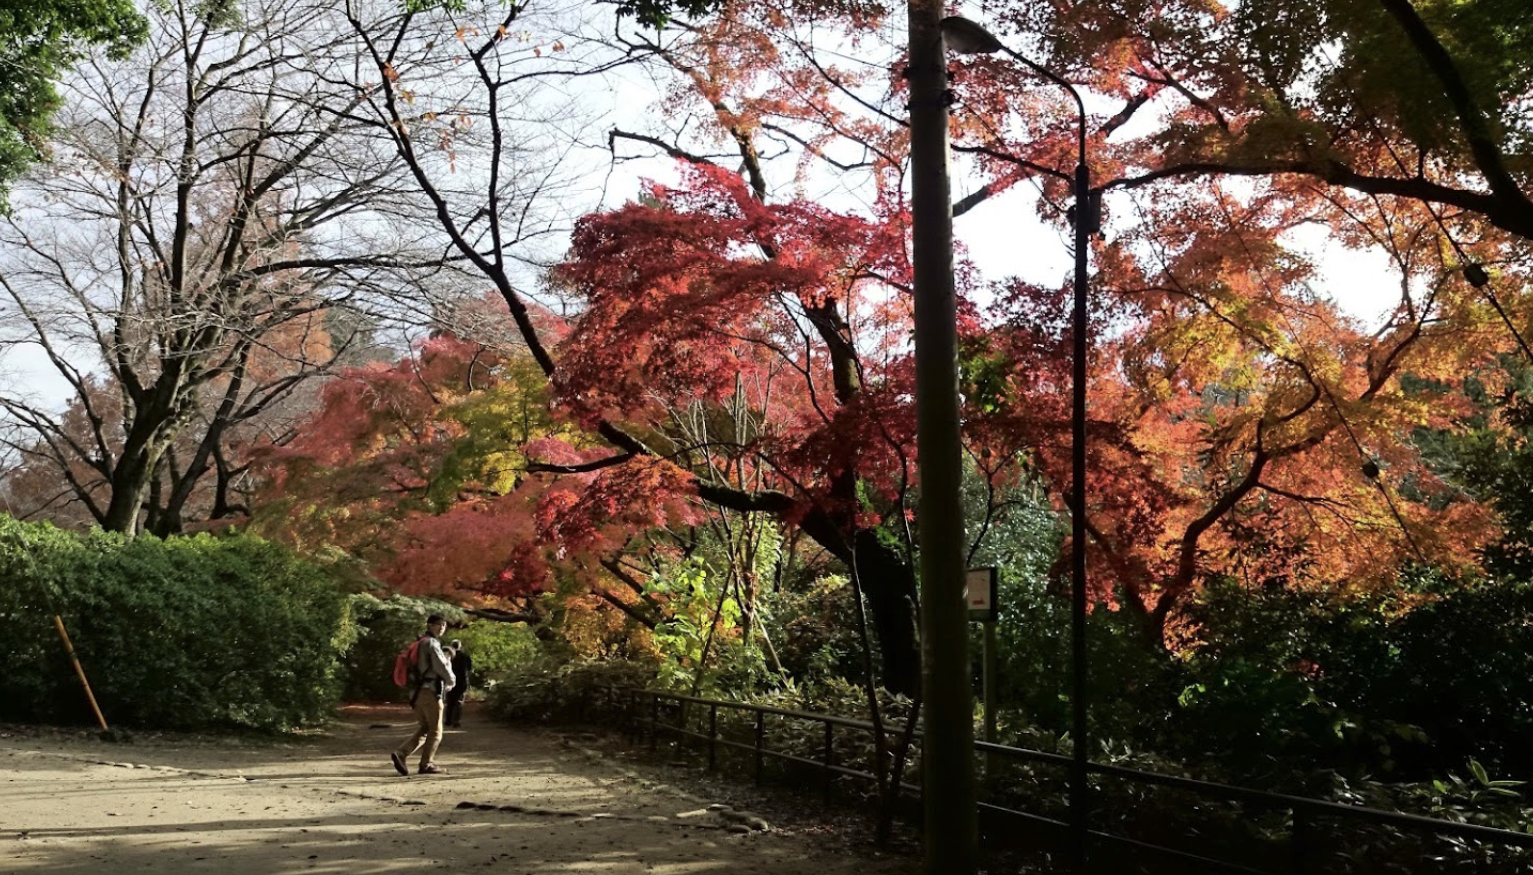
(130, 486)
(890, 585)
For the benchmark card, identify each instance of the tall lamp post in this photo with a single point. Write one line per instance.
(965, 37)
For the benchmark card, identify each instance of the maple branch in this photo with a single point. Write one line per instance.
(1514, 215)
(670, 149)
(1329, 503)
(768, 500)
(582, 468)
(630, 610)
(1476, 128)
(1187, 552)
(1172, 81)
(972, 199)
(852, 95)
(727, 119)
(1126, 113)
(1013, 159)
(500, 615)
(820, 153)
(617, 570)
(846, 365)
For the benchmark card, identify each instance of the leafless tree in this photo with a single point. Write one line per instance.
(210, 206)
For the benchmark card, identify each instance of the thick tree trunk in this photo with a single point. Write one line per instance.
(158, 415)
(130, 486)
(890, 585)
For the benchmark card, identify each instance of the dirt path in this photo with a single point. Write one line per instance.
(332, 804)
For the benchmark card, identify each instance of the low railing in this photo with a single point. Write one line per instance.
(648, 714)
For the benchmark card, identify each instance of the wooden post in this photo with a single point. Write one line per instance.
(830, 752)
(992, 686)
(947, 744)
(58, 623)
(713, 737)
(760, 742)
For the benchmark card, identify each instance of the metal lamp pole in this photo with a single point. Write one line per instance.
(966, 37)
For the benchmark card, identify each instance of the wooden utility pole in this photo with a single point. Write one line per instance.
(951, 836)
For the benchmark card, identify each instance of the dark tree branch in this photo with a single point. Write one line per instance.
(582, 468)
(1472, 120)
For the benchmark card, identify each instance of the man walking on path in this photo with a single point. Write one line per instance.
(435, 678)
(462, 668)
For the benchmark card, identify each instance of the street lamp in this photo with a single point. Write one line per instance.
(965, 37)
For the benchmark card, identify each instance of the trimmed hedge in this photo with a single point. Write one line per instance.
(185, 633)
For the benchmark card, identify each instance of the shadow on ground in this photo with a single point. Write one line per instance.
(332, 804)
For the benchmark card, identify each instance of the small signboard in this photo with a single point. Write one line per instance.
(981, 595)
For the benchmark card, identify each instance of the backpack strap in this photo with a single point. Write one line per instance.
(423, 662)
(421, 652)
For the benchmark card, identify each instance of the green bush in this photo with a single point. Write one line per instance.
(556, 690)
(385, 627)
(1131, 682)
(1288, 683)
(811, 621)
(500, 650)
(183, 633)
(1465, 676)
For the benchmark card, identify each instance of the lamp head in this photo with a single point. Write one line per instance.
(967, 38)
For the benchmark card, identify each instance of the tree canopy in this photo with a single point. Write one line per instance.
(43, 38)
(734, 338)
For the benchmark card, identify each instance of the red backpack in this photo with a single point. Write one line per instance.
(407, 671)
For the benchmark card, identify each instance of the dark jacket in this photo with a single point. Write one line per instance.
(462, 667)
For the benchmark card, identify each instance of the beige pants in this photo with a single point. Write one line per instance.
(428, 711)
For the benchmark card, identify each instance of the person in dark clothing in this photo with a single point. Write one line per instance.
(462, 665)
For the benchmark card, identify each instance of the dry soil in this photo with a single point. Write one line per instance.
(523, 801)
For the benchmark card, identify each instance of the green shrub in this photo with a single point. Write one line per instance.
(385, 627)
(499, 650)
(811, 621)
(1131, 682)
(1289, 683)
(1465, 676)
(556, 690)
(183, 633)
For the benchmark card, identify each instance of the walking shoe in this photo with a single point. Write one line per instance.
(432, 769)
(399, 764)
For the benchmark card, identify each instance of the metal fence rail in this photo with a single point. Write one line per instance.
(649, 714)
